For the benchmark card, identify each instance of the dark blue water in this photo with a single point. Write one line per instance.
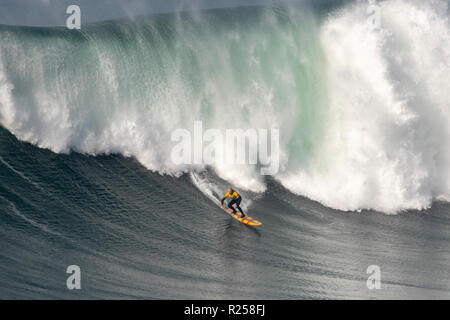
(136, 234)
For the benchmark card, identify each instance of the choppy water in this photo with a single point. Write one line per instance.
(136, 234)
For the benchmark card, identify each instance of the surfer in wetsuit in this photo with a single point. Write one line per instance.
(235, 200)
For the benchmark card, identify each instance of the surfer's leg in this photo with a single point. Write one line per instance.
(238, 202)
(230, 205)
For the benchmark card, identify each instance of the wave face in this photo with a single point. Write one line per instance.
(363, 114)
(136, 234)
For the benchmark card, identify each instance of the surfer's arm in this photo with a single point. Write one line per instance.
(223, 199)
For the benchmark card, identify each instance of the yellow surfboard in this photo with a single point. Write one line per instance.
(246, 220)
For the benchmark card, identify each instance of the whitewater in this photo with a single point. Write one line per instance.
(363, 113)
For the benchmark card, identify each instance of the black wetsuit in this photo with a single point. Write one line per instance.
(235, 200)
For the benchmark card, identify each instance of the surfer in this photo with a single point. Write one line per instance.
(235, 200)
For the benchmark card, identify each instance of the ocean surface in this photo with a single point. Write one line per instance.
(362, 108)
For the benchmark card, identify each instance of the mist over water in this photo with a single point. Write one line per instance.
(363, 114)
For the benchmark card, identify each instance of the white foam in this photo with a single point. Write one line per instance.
(386, 146)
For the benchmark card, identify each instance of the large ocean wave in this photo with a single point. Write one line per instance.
(363, 114)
